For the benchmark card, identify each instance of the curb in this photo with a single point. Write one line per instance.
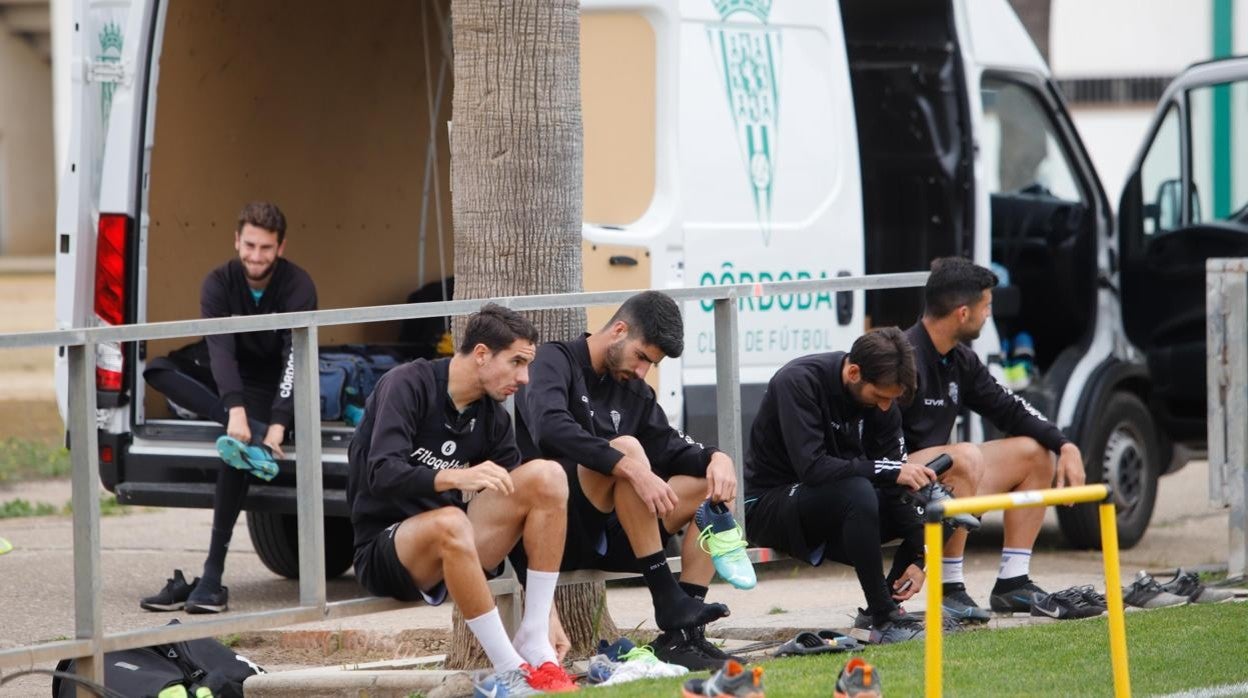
(389, 679)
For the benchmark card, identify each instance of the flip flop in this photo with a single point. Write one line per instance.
(807, 643)
(843, 643)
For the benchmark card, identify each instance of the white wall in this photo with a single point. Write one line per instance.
(1103, 38)
(1113, 136)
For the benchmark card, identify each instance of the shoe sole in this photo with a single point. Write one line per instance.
(204, 608)
(161, 606)
(968, 615)
(236, 458)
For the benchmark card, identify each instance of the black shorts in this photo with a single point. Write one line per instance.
(773, 519)
(379, 570)
(595, 540)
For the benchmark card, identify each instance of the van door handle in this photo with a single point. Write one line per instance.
(622, 260)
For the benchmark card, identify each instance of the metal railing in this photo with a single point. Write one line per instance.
(1226, 312)
(91, 642)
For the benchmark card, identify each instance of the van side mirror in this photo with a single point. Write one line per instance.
(1167, 208)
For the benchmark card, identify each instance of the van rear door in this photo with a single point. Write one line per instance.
(96, 268)
(1185, 201)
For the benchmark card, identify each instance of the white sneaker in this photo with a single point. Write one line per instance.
(640, 663)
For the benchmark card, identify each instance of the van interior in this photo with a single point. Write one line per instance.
(917, 175)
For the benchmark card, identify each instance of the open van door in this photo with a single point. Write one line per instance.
(1185, 201)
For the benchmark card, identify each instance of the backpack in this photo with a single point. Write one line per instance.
(349, 373)
(198, 668)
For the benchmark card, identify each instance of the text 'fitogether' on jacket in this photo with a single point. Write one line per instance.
(258, 358)
(959, 379)
(568, 412)
(411, 429)
(810, 429)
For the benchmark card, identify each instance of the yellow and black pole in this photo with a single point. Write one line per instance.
(934, 540)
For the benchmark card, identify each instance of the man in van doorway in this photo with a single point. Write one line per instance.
(826, 475)
(958, 301)
(248, 386)
(634, 480)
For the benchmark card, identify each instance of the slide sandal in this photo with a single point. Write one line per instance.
(806, 643)
(842, 642)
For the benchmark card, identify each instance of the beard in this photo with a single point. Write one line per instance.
(614, 361)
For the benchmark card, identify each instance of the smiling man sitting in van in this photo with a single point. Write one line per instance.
(249, 387)
(958, 299)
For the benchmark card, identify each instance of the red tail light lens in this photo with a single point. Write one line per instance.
(110, 268)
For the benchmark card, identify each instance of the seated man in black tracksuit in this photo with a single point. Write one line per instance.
(633, 478)
(439, 496)
(951, 377)
(826, 471)
(248, 386)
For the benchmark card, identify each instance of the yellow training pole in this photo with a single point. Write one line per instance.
(1026, 498)
(1113, 596)
(934, 540)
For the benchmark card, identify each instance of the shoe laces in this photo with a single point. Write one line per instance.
(1091, 595)
(640, 653)
(549, 676)
(728, 544)
(697, 639)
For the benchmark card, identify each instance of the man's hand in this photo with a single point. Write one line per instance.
(558, 637)
(1070, 471)
(659, 497)
(721, 478)
(238, 427)
(483, 476)
(273, 439)
(909, 584)
(915, 475)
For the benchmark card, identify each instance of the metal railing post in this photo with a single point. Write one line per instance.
(308, 482)
(85, 488)
(1226, 294)
(728, 392)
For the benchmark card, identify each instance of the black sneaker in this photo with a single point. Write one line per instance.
(959, 604)
(1093, 597)
(1067, 603)
(205, 600)
(1017, 600)
(680, 648)
(899, 628)
(697, 635)
(1146, 592)
(172, 597)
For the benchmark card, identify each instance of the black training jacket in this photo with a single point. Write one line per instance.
(570, 413)
(810, 429)
(257, 358)
(959, 379)
(410, 431)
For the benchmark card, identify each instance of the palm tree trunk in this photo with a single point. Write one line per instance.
(516, 190)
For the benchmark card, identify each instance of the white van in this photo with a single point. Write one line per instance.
(726, 141)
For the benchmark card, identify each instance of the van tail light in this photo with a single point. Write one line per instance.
(111, 248)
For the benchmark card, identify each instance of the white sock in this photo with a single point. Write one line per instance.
(490, 632)
(1015, 562)
(951, 570)
(533, 637)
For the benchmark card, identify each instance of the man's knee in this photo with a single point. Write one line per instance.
(1039, 457)
(449, 529)
(547, 481)
(968, 463)
(858, 501)
(629, 446)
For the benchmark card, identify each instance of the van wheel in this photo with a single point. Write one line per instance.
(1120, 450)
(276, 540)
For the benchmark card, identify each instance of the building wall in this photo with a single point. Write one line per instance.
(27, 181)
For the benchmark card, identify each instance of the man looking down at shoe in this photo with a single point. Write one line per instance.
(438, 495)
(250, 389)
(826, 475)
(634, 479)
(958, 302)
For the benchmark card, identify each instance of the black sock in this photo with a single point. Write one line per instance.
(1004, 585)
(227, 503)
(673, 608)
(697, 591)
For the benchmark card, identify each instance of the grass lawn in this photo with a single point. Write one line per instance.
(1170, 649)
(28, 459)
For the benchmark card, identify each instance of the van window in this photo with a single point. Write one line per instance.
(617, 110)
(1020, 153)
(1218, 117)
(1160, 183)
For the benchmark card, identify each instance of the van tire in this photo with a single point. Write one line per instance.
(1121, 438)
(276, 540)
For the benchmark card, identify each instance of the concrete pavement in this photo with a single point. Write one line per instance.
(140, 549)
